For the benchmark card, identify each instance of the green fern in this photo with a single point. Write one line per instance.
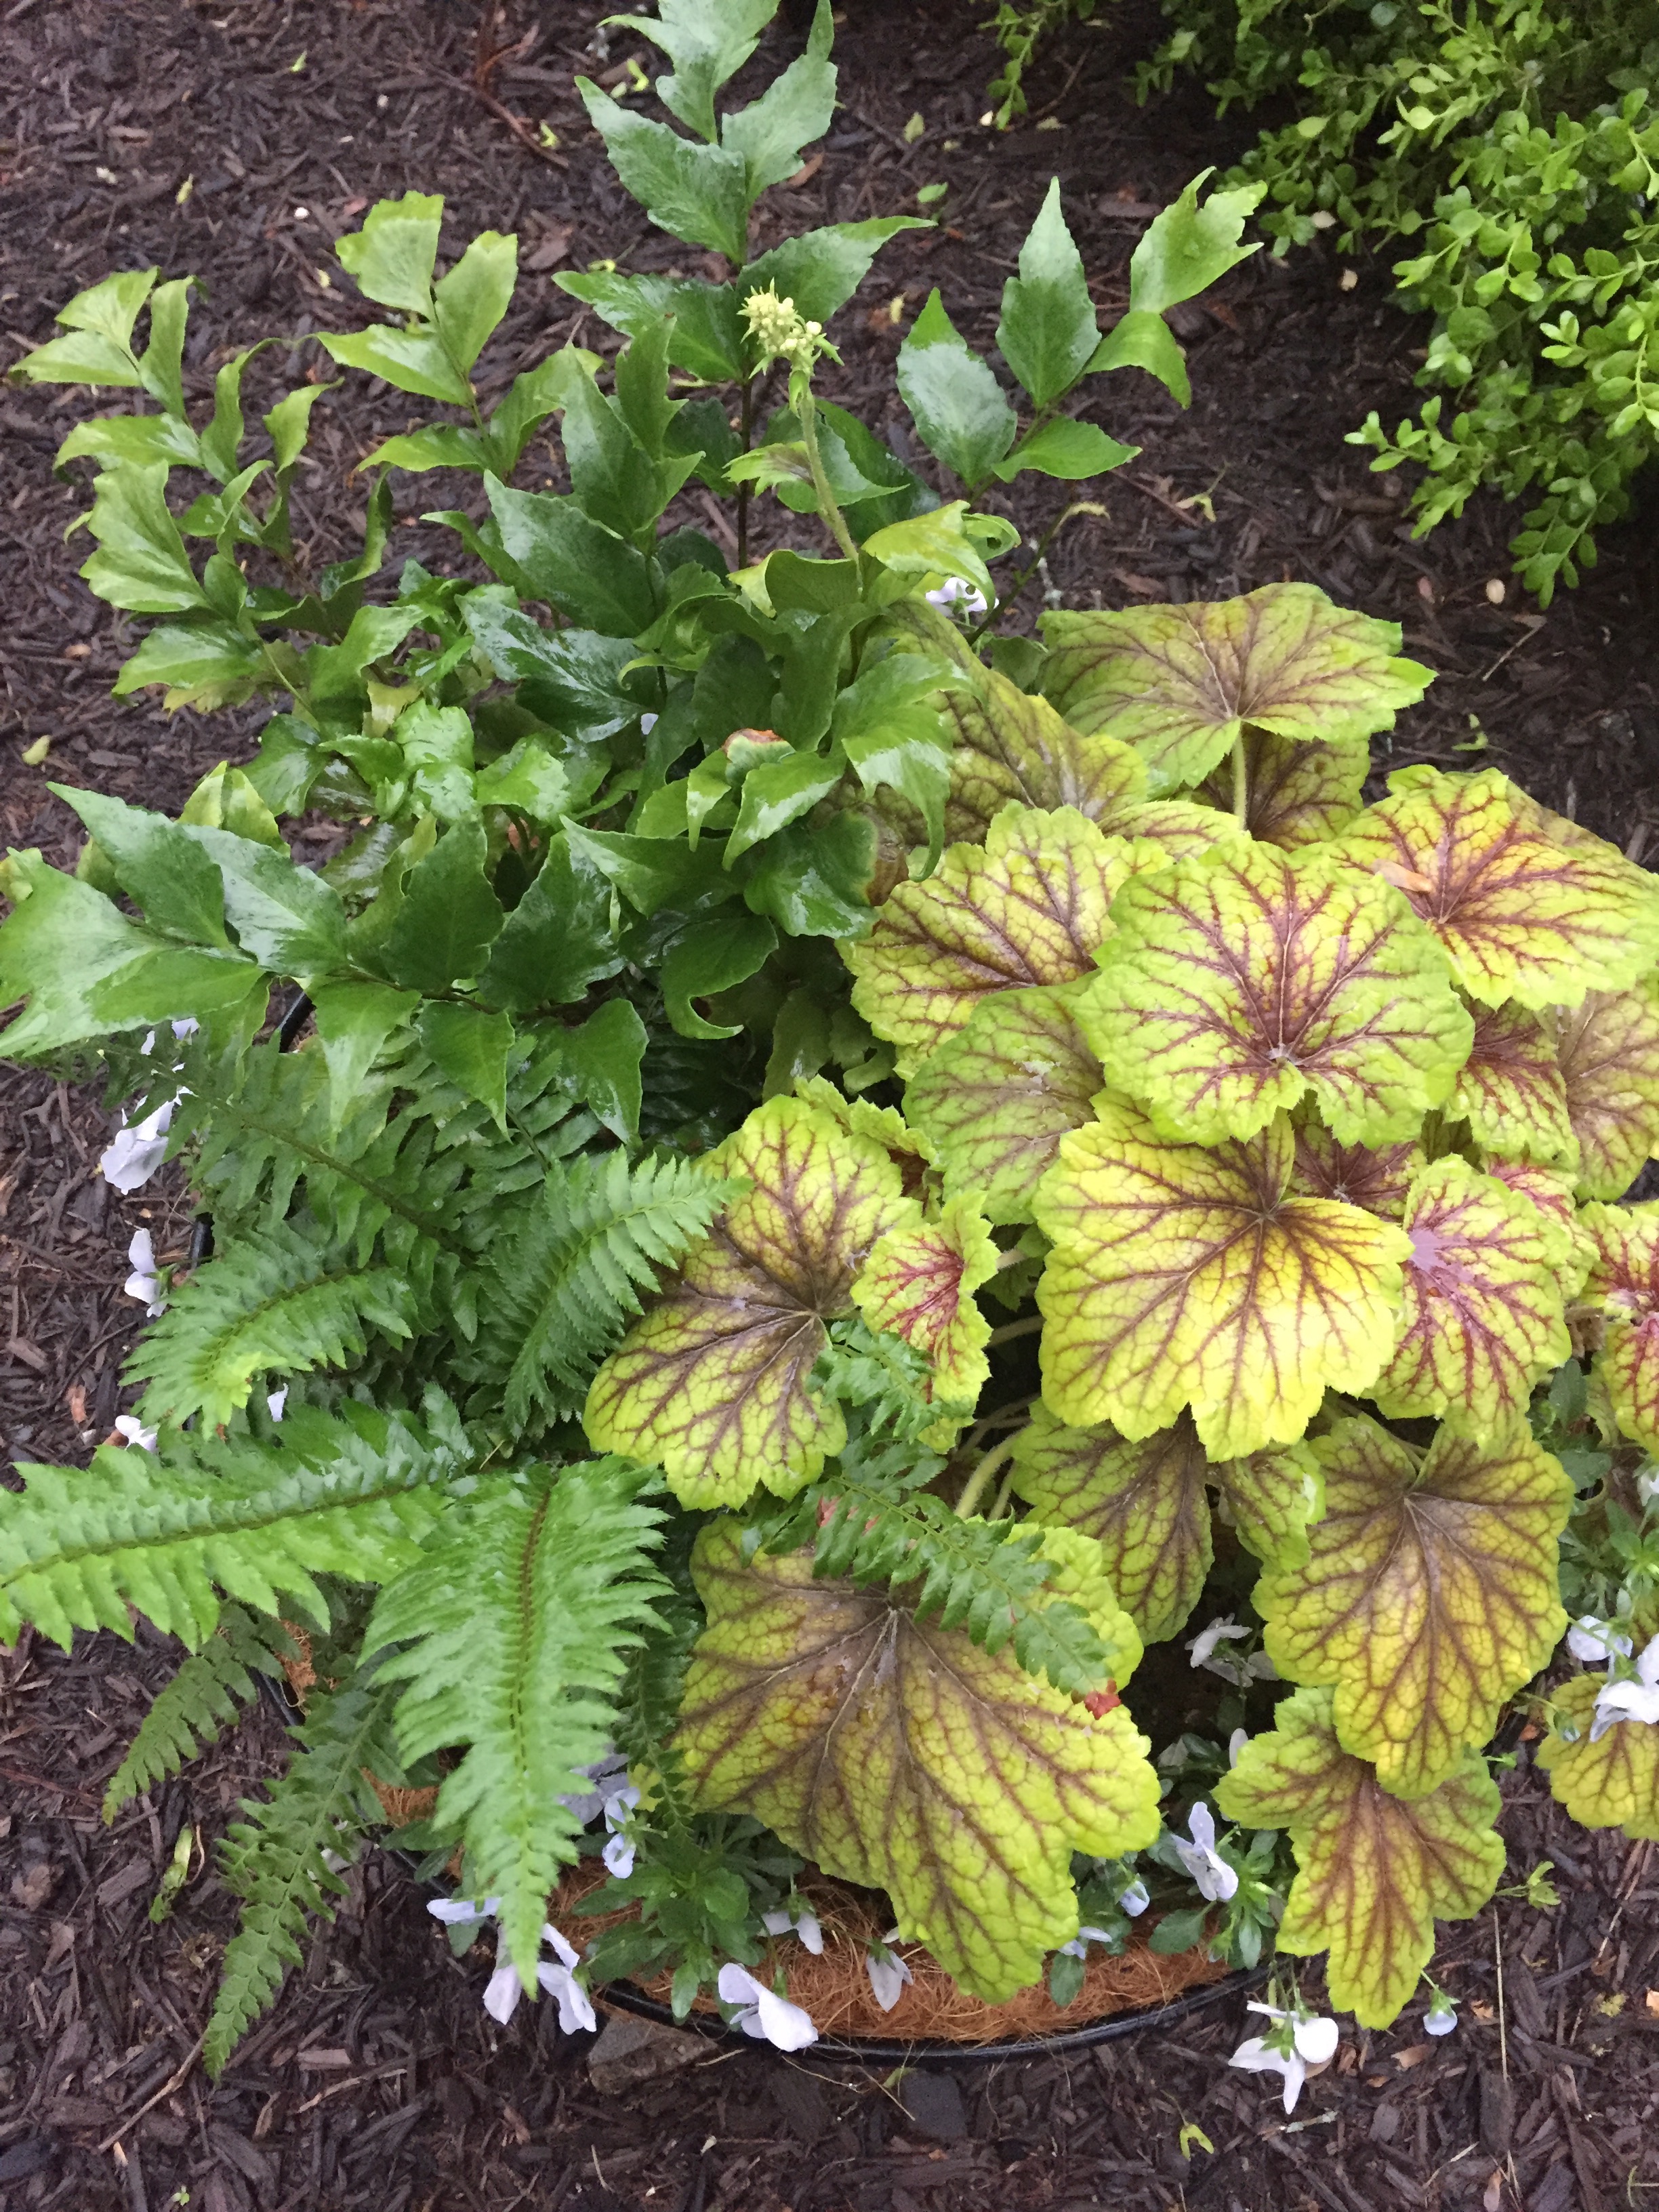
(352, 1493)
(985, 1577)
(515, 1626)
(277, 1300)
(275, 1860)
(203, 1697)
(881, 1375)
(560, 1293)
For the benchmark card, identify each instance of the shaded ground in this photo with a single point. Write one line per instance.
(378, 2081)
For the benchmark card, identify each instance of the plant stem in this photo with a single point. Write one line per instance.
(748, 425)
(1010, 1329)
(979, 1481)
(1005, 1497)
(835, 521)
(1241, 784)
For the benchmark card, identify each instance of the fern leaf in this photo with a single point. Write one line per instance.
(516, 1625)
(351, 1494)
(275, 1300)
(203, 1697)
(885, 1378)
(275, 1861)
(985, 1577)
(558, 1299)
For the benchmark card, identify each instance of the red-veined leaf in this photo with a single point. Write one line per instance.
(1296, 793)
(1613, 1782)
(1608, 1051)
(1510, 1090)
(1624, 1281)
(1358, 1174)
(918, 1283)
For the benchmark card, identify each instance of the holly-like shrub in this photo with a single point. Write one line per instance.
(600, 1382)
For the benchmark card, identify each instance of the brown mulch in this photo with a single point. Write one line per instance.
(378, 2081)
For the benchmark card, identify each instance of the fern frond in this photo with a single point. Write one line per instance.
(203, 1697)
(985, 1577)
(275, 1860)
(881, 1375)
(515, 1626)
(560, 1294)
(351, 1494)
(277, 1299)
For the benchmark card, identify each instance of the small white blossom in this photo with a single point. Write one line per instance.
(618, 1853)
(1630, 1698)
(1440, 2017)
(956, 594)
(1078, 1946)
(1235, 1743)
(1203, 1645)
(1215, 1879)
(1594, 1641)
(456, 1912)
(276, 1402)
(135, 1432)
(559, 1980)
(132, 1156)
(144, 1283)
(504, 1988)
(888, 1974)
(1134, 1899)
(502, 1993)
(605, 1774)
(1298, 2041)
(801, 1922)
(762, 2012)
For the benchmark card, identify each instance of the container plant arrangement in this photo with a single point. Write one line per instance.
(743, 986)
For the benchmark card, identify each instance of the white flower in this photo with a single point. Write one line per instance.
(1440, 2017)
(1216, 1880)
(143, 1282)
(133, 1155)
(762, 2012)
(502, 1993)
(888, 1974)
(575, 2006)
(956, 592)
(618, 1853)
(1627, 1700)
(456, 1912)
(647, 723)
(1299, 2040)
(605, 1774)
(1647, 1484)
(1592, 1641)
(1235, 1743)
(1078, 1946)
(1202, 1646)
(276, 1402)
(800, 1921)
(1134, 1900)
(135, 1432)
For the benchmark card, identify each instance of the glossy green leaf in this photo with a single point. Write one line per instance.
(141, 563)
(568, 559)
(449, 917)
(470, 1047)
(1066, 449)
(698, 193)
(711, 957)
(954, 399)
(1047, 333)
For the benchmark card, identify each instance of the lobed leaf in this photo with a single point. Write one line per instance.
(1613, 1782)
(1236, 985)
(1510, 1090)
(1482, 1313)
(1624, 1281)
(918, 1283)
(712, 1384)
(1429, 1595)
(1186, 1277)
(1373, 1872)
(1607, 1049)
(1377, 1178)
(900, 1755)
(1520, 914)
(1298, 791)
(1012, 748)
(997, 1098)
(1180, 684)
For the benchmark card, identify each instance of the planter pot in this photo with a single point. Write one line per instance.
(1141, 1988)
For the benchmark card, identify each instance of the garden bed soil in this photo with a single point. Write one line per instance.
(235, 139)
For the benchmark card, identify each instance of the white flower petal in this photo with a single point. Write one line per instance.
(1594, 1641)
(575, 2006)
(1440, 2019)
(618, 1856)
(135, 1432)
(1134, 1899)
(1224, 1630)
(1235, 1743)
(1200, 1827)
(502, 1992)
(785, 2025)
(457, 1911)
(141, 1253)
(276, 1402)
(1316, 2040)
(888, 1976)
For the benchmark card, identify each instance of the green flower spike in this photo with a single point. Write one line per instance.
(1184, 1277)
(1429, 1594)
(903, 1757)
(1373, 1873)
(711, 1384)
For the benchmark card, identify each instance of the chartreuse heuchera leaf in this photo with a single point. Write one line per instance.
(1612, 1782)
(1146, 1503)
(1180, 684)
(998, 1099)
(1429, 1594)
(1607, 1050)
(1031, 906)
(1013, 749)
(1236, 985)
(1379, 1177)
(1522, 913)
(1623, 1282)
(900, 1755)
(918, 1283)
(1186, 1278)
(1374, 1871)
(1482, 1317)
(711, 1384)
(1510, 1090)
(1300, 791)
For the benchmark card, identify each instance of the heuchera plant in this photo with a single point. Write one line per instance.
(603, 1383)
